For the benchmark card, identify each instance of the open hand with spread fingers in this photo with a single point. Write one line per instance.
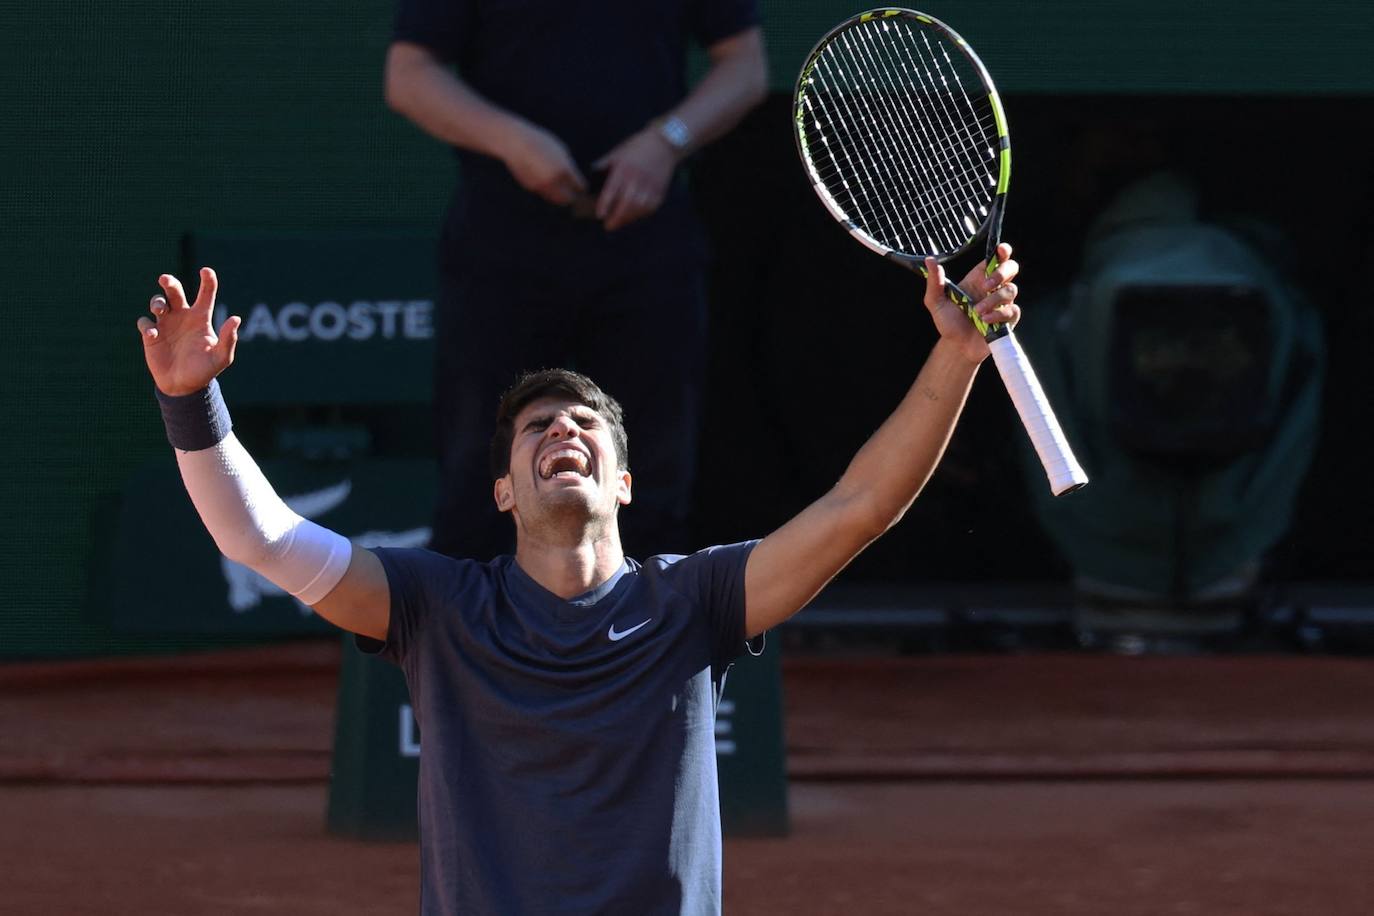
(179, 342)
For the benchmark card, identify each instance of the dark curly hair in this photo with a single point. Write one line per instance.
(544, 383)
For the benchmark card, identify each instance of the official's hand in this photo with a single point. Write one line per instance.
(542, 165)
(637, 174)
(993, 302)
(182, 349)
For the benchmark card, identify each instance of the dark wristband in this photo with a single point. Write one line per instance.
(195, 421)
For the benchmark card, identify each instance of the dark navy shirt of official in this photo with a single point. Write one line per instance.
(592, 73)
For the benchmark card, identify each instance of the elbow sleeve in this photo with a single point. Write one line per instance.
(252, 525)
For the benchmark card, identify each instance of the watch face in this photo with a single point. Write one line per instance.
(676, 132)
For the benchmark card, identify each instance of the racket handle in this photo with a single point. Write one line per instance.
(1061, 467)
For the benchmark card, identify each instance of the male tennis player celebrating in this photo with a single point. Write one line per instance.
(567, 694)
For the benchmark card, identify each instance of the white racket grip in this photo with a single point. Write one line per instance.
(1048, 438)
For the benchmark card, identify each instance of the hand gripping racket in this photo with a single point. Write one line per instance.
(903, 137)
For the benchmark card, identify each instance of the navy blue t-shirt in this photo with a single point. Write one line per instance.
(567, 759)
(592, 72)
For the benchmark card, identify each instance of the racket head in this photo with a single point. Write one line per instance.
(903, 136)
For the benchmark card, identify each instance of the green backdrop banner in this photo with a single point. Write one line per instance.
(265, 116)
(328, 317)
(1080, 46)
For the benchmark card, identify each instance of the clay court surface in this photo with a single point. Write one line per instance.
(972, 785)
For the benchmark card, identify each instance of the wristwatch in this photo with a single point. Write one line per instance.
(675, 132)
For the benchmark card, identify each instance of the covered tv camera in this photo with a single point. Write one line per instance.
(1188, 374)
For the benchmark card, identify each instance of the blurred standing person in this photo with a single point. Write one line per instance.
(570, 239)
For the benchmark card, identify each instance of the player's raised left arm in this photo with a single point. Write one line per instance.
(790, 566)
(242, 512)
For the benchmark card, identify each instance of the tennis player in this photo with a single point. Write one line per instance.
(567, 694)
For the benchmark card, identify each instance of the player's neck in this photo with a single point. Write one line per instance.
(569, 570)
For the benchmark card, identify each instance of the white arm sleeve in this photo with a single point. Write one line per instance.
(251, 525)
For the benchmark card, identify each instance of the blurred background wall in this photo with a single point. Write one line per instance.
(128, 125)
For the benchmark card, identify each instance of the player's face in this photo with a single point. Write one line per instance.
(562, 457)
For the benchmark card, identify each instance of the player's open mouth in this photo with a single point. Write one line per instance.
(564, 463)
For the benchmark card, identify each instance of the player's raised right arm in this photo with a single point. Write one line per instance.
(250, 524)
(790, 566)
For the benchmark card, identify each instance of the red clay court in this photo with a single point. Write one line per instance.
(976, 785)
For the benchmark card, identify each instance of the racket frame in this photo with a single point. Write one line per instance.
(1062, 469)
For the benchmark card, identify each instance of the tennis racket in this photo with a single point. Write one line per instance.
(904, 139)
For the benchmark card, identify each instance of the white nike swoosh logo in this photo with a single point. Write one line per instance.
(618, 636)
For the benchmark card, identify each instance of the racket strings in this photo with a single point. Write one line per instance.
(899, 128)
(887, 200)
(881, 182)
(970, 145)
(895, 139)
(870, 157)
(953, 150)
(965, 149)
(928, 103)
(948, 161)
(944, 155)
(878, 189)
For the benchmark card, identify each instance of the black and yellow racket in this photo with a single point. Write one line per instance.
(904, 139)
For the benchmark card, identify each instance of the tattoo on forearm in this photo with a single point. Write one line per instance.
(929, 394)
